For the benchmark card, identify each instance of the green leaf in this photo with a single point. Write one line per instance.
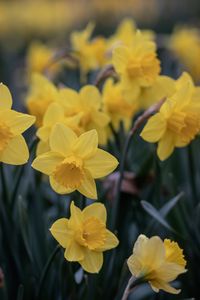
(153, 212)
(164, 211)
(23, 219)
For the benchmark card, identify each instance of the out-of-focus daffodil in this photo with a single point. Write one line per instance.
(137, 66)
(55, 114)
(185, 42)
(90, 52)
(178, 120)
(74, 162)
(40, 59)
(116, 105)
(164, 86)
(13, 148)
(84, 236)
(157, 262)
(126, 33)
(42, 93)
(87, 103)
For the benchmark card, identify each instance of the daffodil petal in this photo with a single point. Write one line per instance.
(135, 265)
(120, 57)
(166, 146)
(61, 232)
(62, 139)
(54, 114)
(16, 152)
(101, 164)
(43, 133)
(88, 187)
(47, 162)
(5, 97)
(97, 210)
(100, 118)
(42, 147)
(17, 122)
(58, 188)
(161, 285)
(74, 252)
(92, 261)
(91, 96)
(110, 242)
(76, 214)
(154, 129)
(169, 271)
(86, 144)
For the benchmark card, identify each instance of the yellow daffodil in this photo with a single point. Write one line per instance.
(90, 53)
(39, 58)
(42, 93)
(138, 65)
(178, 120)
(55, 114)
(13, 148)
(84, 236)
(88, 103)
(157, 262)
(163, 86)
(125, 34)
(74, 162)
(185, 43)
(116, 104)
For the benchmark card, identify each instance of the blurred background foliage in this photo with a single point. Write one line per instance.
(158, 198)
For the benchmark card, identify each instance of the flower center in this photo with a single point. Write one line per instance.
(70, 172)
(5, 135)
(146, 67)
(92, 234)
(174, 253)
(176, 122)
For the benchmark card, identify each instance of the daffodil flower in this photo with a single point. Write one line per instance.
(84, 236)
(178, 121)
(74, 162)
(13, 148)
(157, 262)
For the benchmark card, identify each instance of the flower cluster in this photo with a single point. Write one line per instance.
(72, 125)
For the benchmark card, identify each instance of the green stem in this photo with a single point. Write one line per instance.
(20, 174)
(114, 216)
(4, 184)
(139, 121)
(132, 283)
(192, 173)
(20, 293)
(46, 269)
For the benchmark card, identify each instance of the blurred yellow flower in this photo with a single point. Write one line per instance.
(55, 114)
(39, 59)
(74, 162)
(84, 236)
(41, 94)
(13, 148)
(178, 120)
(163, 86)
(90, 52)
(137, 66)
(116, 104)
(87, 103)
(157, 262)
(185, 42)
(125, 34)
